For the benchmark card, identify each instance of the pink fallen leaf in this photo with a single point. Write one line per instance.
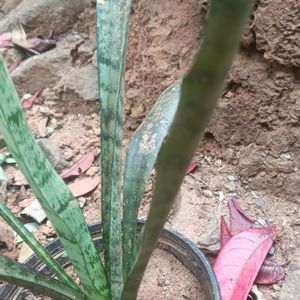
(192, 167)
(239, 261)
(270, 273)
(6, 40)
(239, 220)
(80, 166)
(84, 186)
(28, 103)
(226, 235)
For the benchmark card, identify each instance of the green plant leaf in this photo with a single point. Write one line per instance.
(2, 143)
(112, 31)
(55, 198)
(200, 90)
(34, 244)
(21, 275)
(2, 174)
(141, 156)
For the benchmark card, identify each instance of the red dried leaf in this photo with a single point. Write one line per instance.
(239, 220)
(80, 166)
(84, 186)
(192, 168)
(226, 235)
(270, 273)
(239, 261)
(28, 103)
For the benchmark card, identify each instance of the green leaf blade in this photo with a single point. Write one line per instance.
(21, 275)
(55, 198)
(112, 31)
(200, 90)
(34, 244)
(141, 156)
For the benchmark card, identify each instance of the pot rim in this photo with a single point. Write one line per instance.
(182, 248)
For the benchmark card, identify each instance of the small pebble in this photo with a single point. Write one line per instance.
(262, 222)
(207, 193)
(286, 156)
(272, 251)
(260, 202)
(232, 178)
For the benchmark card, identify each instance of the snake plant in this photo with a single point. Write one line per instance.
(168, 137)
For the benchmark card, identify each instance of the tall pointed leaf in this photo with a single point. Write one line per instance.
(34, 244)
(55, 198)
(112, 31)
(200, 90)
(21, 275)
(141, 156)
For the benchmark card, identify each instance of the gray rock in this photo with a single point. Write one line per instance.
(83, 82)
(207, 193)
(54, 155)
(34, 14)
(232, 178)
(44, 70)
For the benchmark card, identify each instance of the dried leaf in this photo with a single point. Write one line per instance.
(192, 167)
(35, 211)
(239, 220)
(28, 103)
(19, 38)
(239, 261)
(270, 272)
(82, 165)
(84, 186)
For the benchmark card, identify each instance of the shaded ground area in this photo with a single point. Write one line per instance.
(251, 149)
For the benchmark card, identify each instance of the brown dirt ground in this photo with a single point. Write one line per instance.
(251, 149)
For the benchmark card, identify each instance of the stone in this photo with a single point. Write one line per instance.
(83, 82)
(232, 178)
(207, 193)
(54, 155)
(34, 14)
(44, 70)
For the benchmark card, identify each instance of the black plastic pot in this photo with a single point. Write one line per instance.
(176, 244)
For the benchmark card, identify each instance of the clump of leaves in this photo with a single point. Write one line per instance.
(168, 137)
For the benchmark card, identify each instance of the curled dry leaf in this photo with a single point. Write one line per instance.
(239, 261)
(82, 165)
(192, 167)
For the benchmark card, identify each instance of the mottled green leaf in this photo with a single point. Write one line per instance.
(55, 198)
(2, 174)
(112, 31)
(141, 156)
(21, 275)
(34, 244)
(200, 90)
